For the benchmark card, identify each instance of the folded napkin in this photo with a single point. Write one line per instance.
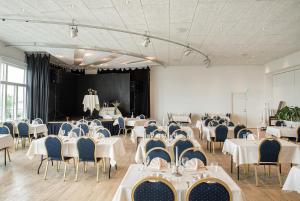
(72, 135)
(160, 136)
(180, 136)
(158, 163)
(194, 164)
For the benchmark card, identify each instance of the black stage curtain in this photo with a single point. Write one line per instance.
(37, 86)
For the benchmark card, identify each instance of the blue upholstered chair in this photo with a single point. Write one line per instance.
(209, 189)
(37, 121)
(206, 122)
(279, 123)
(269, 150)
(191, 153)
(230, 124)
(244, 132)
(158, 152)
(171, 122)
(23, 133)
(159, 132)
(104, 131)
(173, 127)
(54, 147)
(10, 126)
(4, 130)
(84, 127)
(237, 129)
(83, 121)
(221, 135)
(154, 143)
(150, 129)
(78, 131)
(182, 144)
(213, 123)
(122, 127)
(153, 189)
(142, 116)
(65, 128)
(152, 122)
(180, 132)
(97, 122)
(87, 153)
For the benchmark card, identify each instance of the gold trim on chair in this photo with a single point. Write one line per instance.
(208, 180)
(154, 179)
(159, 148)
(277, 162)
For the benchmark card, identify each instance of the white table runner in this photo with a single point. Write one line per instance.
(134, 174)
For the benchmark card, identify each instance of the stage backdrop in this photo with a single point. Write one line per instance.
(67, 89)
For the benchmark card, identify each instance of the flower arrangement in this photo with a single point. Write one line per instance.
(92, 91)
(116, 104)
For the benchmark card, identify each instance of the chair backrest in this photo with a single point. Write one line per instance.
(221, 121)
(230, 124)
(65, 128)
(23, 129)
(86, 149)
(159, 132)
(104, 131)
(244, 132)
(10, 126)
(237, 129)
(180, 132)
(150, 129)
(4, 130)
(209, 189)
(213, 123)
(84, 127)
(221, 133)
(83, 121)
(79, 131)
(298, 135)
(173, 127)
(142, 116)
(37, 121)
(182, 144)
(153, 188)
(153, 143)
(158, 152)
(121, 122)
(279, 123)
(269, 150)
(206, 122)
(171, 122)
(151, 122)
(191, 153)
(97, 122)
(54, 148)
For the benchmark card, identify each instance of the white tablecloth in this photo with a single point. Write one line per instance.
(112, 148)
(90, 102)
(6, 141)
(292, 182)
(209, 132)
(35, 129)
(278, 131)
(141, 152)
(139, 131)
(134, 174)
(246, 151)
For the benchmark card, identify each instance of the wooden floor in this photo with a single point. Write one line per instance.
(19, 180)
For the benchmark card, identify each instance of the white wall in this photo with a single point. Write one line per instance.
(198, 90)
(12, 53)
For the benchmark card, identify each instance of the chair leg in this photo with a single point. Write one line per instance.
(104, 165)
(213, 144)
(98, 167)
(65, 170)
(76, 174)
(269, 172)
(85, 166)
(74, 165)
(256, 178)
(109, 171)
(279, 176)
(57, 166)
(8, 155)
(46, 170)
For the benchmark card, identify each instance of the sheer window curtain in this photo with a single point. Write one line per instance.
(38, 66)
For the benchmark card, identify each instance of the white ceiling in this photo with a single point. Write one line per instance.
(229, 31)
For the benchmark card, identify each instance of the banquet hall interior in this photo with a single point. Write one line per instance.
(150, 100)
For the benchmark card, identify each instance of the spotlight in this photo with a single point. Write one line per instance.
(188, 51)
(146, 42)
(73, 31)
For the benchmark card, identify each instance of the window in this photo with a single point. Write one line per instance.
(13, 92)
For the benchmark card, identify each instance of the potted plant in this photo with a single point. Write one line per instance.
(289, 115)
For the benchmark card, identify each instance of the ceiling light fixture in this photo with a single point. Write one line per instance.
(73, 30)
(188, 50)
(146, 41)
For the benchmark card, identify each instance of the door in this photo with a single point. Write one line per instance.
(239, 108)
